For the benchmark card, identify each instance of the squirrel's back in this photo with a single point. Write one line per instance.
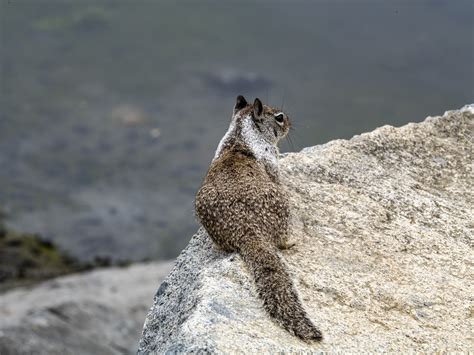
(243, 207)
(236, 197)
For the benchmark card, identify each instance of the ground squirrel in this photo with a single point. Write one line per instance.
(244, 209)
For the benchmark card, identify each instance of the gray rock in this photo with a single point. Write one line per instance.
(98, 312)
(383, 260)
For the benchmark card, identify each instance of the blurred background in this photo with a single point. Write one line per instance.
(110, 111)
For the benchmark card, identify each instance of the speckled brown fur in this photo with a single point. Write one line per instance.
(244, 209)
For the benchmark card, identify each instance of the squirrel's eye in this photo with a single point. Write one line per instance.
(279, 118)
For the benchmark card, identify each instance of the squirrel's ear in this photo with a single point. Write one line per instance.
(240, 103)
(257, 107)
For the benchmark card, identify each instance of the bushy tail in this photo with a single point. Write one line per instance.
(276, 289)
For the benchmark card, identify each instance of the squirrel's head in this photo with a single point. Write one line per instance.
(273, 124)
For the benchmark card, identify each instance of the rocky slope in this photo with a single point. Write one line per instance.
(99, 312)
(383, 260)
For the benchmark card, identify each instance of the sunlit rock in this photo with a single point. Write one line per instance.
(383, 260)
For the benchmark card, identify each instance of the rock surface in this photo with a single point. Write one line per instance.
(383, 260)
(99, 312)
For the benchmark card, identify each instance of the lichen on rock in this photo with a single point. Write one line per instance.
(383, 256)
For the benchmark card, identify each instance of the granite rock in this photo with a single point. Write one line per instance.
(383, 225)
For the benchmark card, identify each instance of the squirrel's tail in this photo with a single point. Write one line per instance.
(276, 289)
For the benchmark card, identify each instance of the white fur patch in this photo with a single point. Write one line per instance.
(261, 149)
(224, 139)
(257, 144)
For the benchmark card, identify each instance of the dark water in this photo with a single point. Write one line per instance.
(111, 110)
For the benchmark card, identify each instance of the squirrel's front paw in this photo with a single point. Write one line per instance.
(286, 245)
